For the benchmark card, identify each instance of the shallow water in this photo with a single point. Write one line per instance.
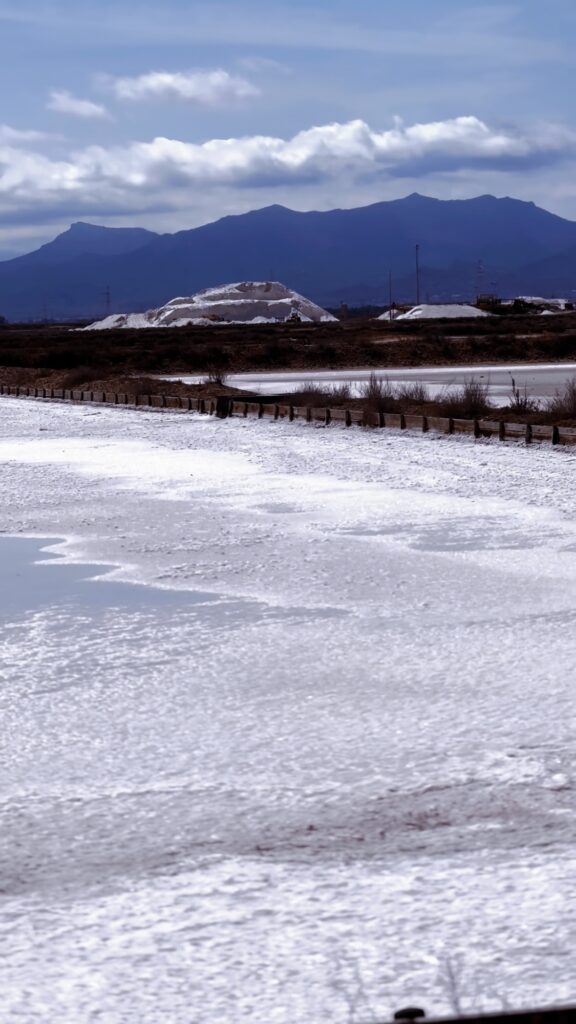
(33, 578)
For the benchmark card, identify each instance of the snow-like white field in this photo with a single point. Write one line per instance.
(335, 774)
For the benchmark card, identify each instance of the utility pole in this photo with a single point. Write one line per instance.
(479, 278)
(390, 294)
(417, 274)
(108, 300)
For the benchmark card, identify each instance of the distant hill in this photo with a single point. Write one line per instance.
(483, 244)
(87, 240)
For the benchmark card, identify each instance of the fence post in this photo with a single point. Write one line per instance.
(223, 405)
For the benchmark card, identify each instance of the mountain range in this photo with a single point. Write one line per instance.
(503, 246)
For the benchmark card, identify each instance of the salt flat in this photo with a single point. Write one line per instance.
(343, 772)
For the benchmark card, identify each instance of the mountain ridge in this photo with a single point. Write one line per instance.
(486, 243)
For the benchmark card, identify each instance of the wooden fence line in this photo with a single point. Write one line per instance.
(223, 407)
(549, 1015)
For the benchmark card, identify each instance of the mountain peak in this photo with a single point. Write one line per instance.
(81, 225)
(417, 197)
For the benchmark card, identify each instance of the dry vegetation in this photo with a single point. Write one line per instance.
(126, 360)
(236, 348)
(469, 401)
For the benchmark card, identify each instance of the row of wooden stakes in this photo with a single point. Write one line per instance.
(225, 406)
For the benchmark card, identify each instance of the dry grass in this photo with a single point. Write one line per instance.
(563, 405)
(466, 402)
(323, 397)
(378, 394)
(415, 393)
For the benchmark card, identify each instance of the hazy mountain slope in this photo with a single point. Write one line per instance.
(87, 240)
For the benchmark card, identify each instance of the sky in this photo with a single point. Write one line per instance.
(167, 116)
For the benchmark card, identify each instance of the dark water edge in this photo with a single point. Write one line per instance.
(26, 586)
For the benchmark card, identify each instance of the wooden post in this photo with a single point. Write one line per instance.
(223, 407)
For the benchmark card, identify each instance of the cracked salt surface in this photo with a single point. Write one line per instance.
(350, 761)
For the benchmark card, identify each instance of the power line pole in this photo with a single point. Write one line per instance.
(417, 274)
(390, 293)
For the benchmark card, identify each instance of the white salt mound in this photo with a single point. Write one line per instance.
(247, 302)
(439, 312)
(535, 300)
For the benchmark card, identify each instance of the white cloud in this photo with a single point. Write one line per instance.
(202, 87)
(64, 103)
(142, 175)
(324, 152)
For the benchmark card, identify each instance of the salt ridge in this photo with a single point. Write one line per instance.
(439, 312)
(247, 302)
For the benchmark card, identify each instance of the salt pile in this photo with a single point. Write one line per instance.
(246, 302)
(439, 312)
(535, 300)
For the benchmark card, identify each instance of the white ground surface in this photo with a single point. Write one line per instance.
(318, 793)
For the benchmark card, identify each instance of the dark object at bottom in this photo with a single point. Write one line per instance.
(409, 1013)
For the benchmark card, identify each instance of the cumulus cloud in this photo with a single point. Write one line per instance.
(208, 88)
(142, 172)
(64, 103)
(322, 152)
